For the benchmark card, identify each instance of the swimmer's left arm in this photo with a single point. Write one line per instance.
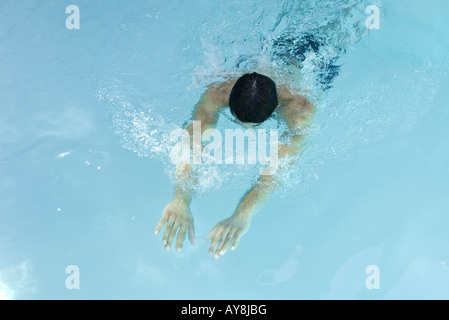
(298, 113)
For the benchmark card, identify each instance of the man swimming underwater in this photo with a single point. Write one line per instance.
(252, 98)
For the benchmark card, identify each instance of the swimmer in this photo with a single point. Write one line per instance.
(252, 98)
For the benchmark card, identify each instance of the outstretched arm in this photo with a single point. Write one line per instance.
(298, 113)
(177, 217)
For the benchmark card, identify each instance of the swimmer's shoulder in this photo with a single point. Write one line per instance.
(219, 92)
(294, 108)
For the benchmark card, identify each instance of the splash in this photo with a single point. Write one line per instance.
(141, 129)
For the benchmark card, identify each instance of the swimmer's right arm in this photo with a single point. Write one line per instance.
(177, 217)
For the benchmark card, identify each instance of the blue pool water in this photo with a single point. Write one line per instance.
(84, 175)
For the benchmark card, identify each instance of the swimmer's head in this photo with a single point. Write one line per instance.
(253, 98)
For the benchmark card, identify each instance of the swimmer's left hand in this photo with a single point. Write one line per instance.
(228, 232)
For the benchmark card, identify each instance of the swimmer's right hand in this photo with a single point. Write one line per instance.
(176, 216)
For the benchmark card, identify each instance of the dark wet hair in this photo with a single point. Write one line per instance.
(253, 98)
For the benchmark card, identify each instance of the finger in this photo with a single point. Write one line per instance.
(214, 240)
(160, 224)
(192, 233)
(211, 233)
(181, 237)
(172, 233)
(224, 236)
(167, 230)
(227, 242)
(236, 242)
